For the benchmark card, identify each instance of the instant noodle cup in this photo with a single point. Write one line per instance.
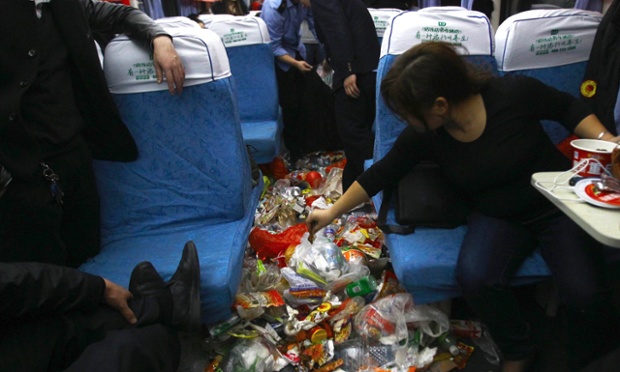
(597, 153)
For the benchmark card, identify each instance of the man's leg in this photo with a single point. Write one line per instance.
(30, 222)
(151, 348)
(35, 227)
(290, 95)
(81, 225)
(354, 119)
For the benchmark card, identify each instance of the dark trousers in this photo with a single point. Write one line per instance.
(354, 118)
(97, 341)
(491, 253)
(34, 227)
(291, 86)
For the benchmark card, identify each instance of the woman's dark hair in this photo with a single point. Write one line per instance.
(428, 71)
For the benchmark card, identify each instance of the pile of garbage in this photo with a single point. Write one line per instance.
(330, 302)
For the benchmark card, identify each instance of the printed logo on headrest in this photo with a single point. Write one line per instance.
(588, 88)
(380, 23)
(234, 37)
(442, 32)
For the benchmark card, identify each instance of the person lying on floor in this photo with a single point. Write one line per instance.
(58, 318)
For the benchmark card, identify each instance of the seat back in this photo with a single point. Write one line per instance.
(552, 45)
(208, 18)
(177, 22)
(381, 17)
(469, 29)
(192, 165)
(252, 65)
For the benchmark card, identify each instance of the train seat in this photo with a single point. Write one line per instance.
(381, 17)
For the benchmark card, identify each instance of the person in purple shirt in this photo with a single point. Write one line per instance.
(283, 19)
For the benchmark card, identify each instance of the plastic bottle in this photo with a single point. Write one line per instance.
(361, 287)
(446, 341)
(330, 232)
(219, 328)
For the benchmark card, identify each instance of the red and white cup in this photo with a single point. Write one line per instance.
(595, 155)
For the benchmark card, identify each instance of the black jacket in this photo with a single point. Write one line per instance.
(602, 71)
(348, 32)
(34, 289)
(77, 21)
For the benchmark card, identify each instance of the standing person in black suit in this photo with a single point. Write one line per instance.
(56, 115)
(348, 33)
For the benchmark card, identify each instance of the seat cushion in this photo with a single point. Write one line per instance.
(262, 139)
(220, 247)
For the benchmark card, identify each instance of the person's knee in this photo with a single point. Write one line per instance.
(472, 279)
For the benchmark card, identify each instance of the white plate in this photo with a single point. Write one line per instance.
(580, 190)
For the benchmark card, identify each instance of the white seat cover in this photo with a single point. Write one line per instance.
(174, 22)
(382, 17)
(545, 38)
(240, 31)
(455, 25)
(129, 66)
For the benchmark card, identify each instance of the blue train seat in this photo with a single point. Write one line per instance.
(425, 261)
(552, 45)
(252, 65)
(192, 178)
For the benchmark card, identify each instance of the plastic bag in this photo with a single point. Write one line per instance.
(385, 320)
(321, 261)
(249, 356)
(259, 277)
(271, 245)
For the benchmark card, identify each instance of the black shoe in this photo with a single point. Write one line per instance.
(185, 288)
(145, 281)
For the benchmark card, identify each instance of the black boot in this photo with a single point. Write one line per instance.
(145, 280)
(185, 288)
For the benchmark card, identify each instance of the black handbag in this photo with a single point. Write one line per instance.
(423, 198)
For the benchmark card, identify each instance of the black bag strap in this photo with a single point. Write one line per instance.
(382, 217)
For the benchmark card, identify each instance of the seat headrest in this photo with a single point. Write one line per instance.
(545, 38)
(455, 25)
(129, 66)
(208, 18)
(176, 22)
(381, 18)
(240, 31)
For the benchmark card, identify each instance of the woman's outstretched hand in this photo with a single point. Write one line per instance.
(318, 219)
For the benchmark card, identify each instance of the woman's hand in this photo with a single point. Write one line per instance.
(318, 219)
(615, 139)
(116, 297)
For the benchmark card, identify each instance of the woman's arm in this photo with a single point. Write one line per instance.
(591, 127)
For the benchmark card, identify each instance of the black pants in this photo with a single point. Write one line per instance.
(354, 118)
(97, 341)
(34, 227)
(291, 88)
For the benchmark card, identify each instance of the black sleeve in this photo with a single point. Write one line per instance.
(410, 147)
(548, 103)
(109, 19)
(32, 288)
